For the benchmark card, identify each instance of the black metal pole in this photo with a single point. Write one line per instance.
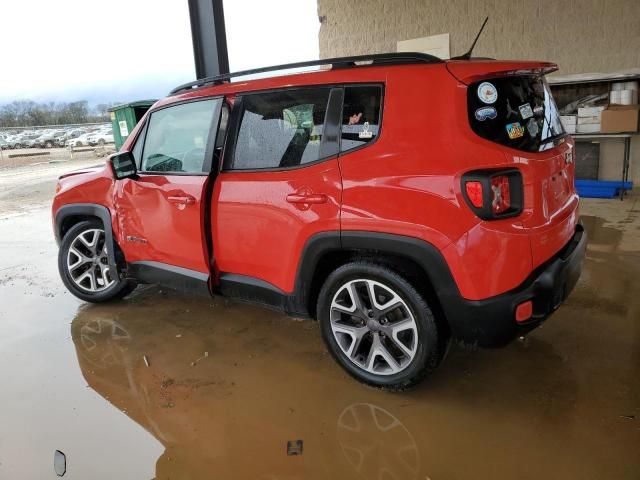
(209, 37)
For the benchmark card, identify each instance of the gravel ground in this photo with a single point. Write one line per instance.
(27, 187)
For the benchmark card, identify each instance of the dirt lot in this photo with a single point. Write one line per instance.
(228, 385)
(27, 186)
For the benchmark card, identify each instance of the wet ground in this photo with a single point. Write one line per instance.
(227, 386)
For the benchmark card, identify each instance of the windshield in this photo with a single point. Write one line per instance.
(517, 111)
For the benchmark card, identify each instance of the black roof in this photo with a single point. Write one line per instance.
(399, 58)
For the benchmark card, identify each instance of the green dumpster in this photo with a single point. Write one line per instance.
(124, 117)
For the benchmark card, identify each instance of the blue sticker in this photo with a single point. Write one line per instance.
(484, 113)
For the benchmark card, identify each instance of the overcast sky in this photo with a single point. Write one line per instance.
(121, 50)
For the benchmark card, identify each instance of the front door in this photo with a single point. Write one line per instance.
(161, 212)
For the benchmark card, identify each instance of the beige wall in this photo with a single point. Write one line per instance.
(579, 35)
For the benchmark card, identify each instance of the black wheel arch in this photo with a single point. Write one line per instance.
(419, 261)
(69, 215)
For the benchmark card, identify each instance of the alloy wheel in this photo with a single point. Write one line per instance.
(374, 327)
(87, 261)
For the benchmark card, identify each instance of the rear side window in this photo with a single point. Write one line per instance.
(518, 112)
(281, 129)
(360, 116)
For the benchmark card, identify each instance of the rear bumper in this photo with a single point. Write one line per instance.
(491, 322)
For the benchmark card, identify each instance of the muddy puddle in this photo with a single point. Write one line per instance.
(167, 386)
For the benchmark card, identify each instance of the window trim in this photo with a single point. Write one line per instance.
(380, 116)
(209, 148)
(236, 120)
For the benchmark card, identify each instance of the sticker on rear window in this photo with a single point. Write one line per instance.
(515, 130)
(484, 113)
(538, 109)
(525, 111)
(365, 133)
(487, 92)
(532, 128)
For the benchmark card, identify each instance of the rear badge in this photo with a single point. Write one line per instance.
(484, 113)
(532, 128)
(487, 92)
(525, 111)
(568, 157)
(515, 130)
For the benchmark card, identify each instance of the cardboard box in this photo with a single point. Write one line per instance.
(589, 111)
(588, 128)
(568, 120)
(570, 129)
(585, 120)
(620, 118)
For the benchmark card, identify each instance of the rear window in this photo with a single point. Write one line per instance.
(518, 112)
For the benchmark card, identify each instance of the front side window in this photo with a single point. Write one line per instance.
(176, 138)
(516, 111)
(281, 129)
(360, 116)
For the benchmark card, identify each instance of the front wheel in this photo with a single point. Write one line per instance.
(377, 326)
(84, 266)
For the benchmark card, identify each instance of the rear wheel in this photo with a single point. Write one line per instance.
(84, 266)
(49, 144)
(377, 326)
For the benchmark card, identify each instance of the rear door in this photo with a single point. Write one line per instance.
(161, 212)
(280, 183)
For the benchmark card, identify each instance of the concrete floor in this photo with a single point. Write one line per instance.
(228, 385)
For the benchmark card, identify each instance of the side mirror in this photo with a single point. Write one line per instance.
(123, 165)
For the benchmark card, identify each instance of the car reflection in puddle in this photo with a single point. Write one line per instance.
(233, 413)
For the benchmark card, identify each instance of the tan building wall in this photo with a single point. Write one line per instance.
(581, 36)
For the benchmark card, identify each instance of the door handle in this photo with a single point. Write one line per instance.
(182, 200)
(307, 198)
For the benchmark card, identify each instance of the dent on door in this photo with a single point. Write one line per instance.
(160, 220)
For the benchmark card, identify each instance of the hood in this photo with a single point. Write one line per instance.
(81, 171)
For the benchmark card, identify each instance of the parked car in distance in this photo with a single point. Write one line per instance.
(101, 137)
(49, 139)
(80, 141)
(333, 195)
(26, 139)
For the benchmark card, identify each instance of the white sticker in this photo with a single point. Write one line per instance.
(487, 92)
(124, 130)
(365, 133)
(532, 128)
(525, 111)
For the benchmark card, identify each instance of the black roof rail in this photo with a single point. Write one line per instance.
(339, 62)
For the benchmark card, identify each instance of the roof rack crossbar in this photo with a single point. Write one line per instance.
(339, 62)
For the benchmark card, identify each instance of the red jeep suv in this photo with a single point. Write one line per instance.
(399, 199)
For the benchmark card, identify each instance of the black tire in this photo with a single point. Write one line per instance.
(119, 289)
(49, 144)
(427, 355)
(101, 142)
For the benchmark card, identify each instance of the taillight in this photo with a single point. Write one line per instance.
(500, 194)
(493, 194)
(474, 192)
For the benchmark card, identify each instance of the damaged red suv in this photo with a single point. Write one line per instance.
(400, 200)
